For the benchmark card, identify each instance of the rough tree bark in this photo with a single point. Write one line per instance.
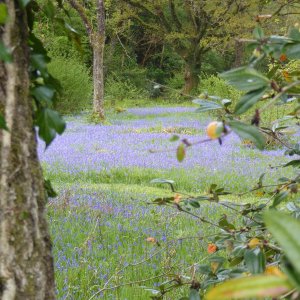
(26, 264)
(97, 42)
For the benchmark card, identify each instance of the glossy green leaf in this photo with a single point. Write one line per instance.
(246, 79)
(194, 295)
(285, 230)
(43, 93)
(255, 260)
(248, 132)
(5, 55)
(206, 105)
(248, 100)
(3, 13)
(180, 153)
(49, 123)
(163, 181)
(258, 287)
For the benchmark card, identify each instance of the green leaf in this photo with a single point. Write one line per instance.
(49, 189)
(3, 123)
(194, 295)
(24, 3)
(258, 33)
(248, 100)
(285, 230)
(49, 123)
(281, 196)
(206, 105)
(3, 13)
(292, 50)
(294, 163)
(163, 181)
(258, 287)
(248, 132)
(5, 55)
(43, 93)
(39, 61)
(174, 138)
(294, 34)
(255, 260)
(246, 79)
(180, 153)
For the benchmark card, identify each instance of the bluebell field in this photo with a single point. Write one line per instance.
(102, 218)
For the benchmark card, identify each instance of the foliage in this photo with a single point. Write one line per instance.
(248, 251)
(76, 92)
(118, 90)
(214, 85)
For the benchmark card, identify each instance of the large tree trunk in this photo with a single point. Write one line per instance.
(26, 264)
(191, 77)
(98, 65)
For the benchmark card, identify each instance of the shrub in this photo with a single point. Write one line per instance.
(76, 83)
(213, 85)
(117, 89)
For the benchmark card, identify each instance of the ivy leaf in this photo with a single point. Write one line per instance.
(248, 100)
(206, 105)
(43, 93)
(3, 123)
(248, 132)
(5, 55)
(180, 154)
(285, 230)
(246, 79)
(258, 287)
(49, 123)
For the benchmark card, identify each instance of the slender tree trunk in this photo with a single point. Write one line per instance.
(98, 61)
(98, 79)
(26, 264)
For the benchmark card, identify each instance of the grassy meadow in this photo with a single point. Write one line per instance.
(103, 218)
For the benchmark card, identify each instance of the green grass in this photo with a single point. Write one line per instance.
(102, 253)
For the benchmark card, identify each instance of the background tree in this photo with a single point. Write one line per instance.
(192, 28)
(96, 35)
(26, 264)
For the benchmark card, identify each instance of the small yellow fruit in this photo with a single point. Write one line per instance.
(254, 243)
(273, 270)
(215, 129)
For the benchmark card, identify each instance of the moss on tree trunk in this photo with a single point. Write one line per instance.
(26, 264)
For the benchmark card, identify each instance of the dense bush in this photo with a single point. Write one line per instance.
(214, 85)
(76, 92)
(119, 89)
